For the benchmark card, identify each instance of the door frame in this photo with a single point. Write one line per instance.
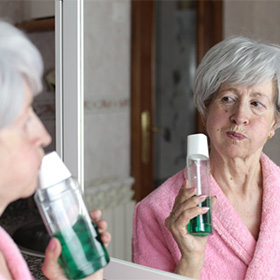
(142, 91)
(209, 32)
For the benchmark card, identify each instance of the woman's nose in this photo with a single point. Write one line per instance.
(45, 139)
(240, 114)
(39, 135)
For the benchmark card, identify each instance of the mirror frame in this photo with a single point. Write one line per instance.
(69, 89)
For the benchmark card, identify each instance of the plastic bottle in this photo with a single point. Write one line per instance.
(66, 217)
(199, 178)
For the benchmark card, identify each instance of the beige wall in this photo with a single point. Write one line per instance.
(259, 20)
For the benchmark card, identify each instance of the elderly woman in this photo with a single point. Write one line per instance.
(22, 138)
(236, 91)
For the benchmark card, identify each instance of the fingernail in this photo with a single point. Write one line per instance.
(202, 197)
(205, 209)
(52, 245)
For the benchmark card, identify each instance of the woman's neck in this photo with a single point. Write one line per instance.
(239, 175)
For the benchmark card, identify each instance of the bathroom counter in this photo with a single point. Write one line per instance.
(35, 263)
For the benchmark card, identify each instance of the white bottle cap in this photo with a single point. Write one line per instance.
(52, 171)
(197, 145)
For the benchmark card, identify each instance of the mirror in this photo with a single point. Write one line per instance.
(107, 87)
(107, 94)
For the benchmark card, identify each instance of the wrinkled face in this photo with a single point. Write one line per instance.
(240, 119)
(21, 152)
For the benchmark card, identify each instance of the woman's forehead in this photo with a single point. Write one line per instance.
(265, 88)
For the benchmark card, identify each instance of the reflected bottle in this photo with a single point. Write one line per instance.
(66, 217)
(199, 178)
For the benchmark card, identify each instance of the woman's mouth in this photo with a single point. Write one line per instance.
(235, 135)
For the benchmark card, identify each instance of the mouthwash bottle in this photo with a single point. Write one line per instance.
(66, 217)
(199, 178)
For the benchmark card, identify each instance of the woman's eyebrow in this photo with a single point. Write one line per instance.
(232, 89)
(260, 95)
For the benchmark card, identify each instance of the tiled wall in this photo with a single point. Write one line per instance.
(107, 118)
(107, 91)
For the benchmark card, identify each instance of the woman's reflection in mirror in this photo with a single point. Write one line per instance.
(236, 91)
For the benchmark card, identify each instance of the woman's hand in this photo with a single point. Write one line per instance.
(52, 270)
(192, 247)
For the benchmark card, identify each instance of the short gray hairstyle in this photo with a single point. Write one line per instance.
(236, 60)
(20, 62)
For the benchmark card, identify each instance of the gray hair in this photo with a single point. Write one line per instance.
(236, 60)
(20, 62)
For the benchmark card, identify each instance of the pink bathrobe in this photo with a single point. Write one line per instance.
(15, 261)
(231, 252)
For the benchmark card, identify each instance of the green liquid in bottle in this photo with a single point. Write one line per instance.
(201, 225)
(82, 253)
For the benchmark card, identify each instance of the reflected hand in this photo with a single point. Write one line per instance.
(52, 270)
(192, 247)
(102, 226)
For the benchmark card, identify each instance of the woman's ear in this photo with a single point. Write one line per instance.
(273, 128)
(271, 134)
(276, 123)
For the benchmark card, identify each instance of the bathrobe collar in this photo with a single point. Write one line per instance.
(258, 255)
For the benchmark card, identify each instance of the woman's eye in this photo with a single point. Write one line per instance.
(257, 104)
(227, 99)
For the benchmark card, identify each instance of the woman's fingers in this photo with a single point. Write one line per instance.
(187, 199)
(187, 206)
(106, 238)
(191, 202)
(189, 245)
(51, 268)
(189, 214)
(102, 226)
(96, 218)
(95, 215)
(182, 217)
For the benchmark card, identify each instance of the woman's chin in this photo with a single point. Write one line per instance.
(30, 190)
(236, 152)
